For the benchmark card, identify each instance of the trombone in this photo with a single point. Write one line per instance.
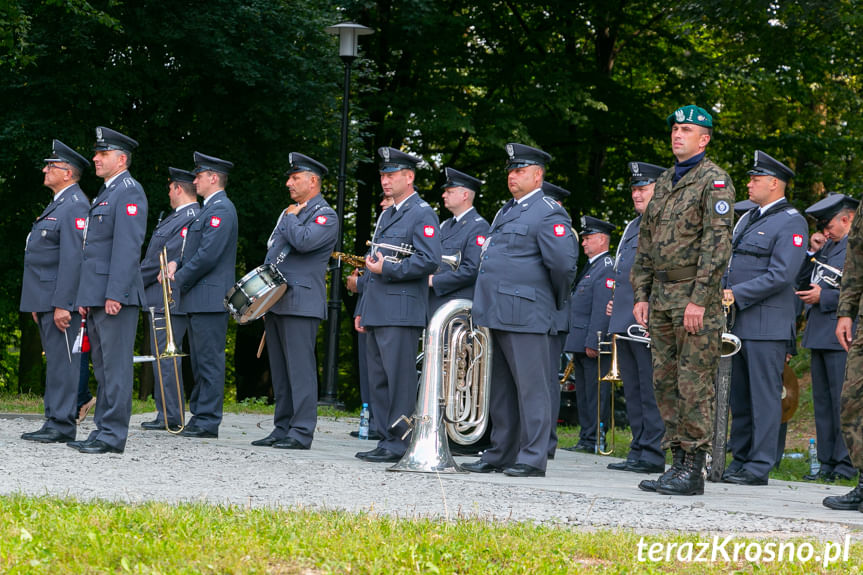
(613, 378)
(170, 351)
(403, 250)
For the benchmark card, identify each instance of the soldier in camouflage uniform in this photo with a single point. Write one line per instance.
(683, 247)
(850, 297)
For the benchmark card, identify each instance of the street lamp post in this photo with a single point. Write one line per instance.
(348, 33)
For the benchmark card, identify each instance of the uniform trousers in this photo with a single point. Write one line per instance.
(362, 365)
(684, 372)
(828, 372)
(852, 400)
(173, 399)
(112, 345)
(294, 372)
(756, 404)
(555, 348)
(519, 404)
(391, 360)
(207, 336)
(636, 370)
(587, 371)
(62, 373)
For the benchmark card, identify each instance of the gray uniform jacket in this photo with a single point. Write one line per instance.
(399, 295)
(820, 332)
(206, 272)
(766, 255)
(170, 233)
(589, 300)
(527, 266)
(465, 237)
(116, 227)
(308, 239)
(52, 254)
(621, 314)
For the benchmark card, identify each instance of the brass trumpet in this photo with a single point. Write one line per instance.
(404, 250)
(613, 378)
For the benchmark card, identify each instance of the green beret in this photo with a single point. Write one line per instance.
(690, 115)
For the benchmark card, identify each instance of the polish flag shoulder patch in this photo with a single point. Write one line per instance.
(183, 232)
(215, 222)
(80, 223)
(609, 283)
(797, 239)
(559, 230)
(321, 220)
(428, 231)
(131, 209)
(480, 240)
(718, 183)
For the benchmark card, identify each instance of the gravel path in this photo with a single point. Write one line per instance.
(578, 491)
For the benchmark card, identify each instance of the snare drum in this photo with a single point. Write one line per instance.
(255, 293)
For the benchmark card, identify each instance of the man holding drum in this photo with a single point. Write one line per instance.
(300, 247)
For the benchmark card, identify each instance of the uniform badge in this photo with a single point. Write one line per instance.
(609, 283)
(428, 231)
(44, 233)
(215, 222)
(183, 232)
(633, 167)
(132, 209)
(385, 154)
(321, 220)
(797, 239)
(509, 150)
(559, 230)
(679, 115)
(99, 134)
(718, 183)
(480, 240)
(79, 223)
(721, 207)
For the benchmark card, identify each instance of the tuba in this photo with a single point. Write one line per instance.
(454, 390)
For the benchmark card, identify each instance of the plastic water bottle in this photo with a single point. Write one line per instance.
(814, 464)
(601, 437)
(364, 422)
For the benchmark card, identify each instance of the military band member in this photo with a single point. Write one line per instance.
(203, 277)
(394, 304)
(645, 450)
(462, 234)
(834, 214)
(683, 247)
(768, 247)
(527, 267)
(594, 287)
(170, 233)
(557, 339)
(111, 290)
(300, 246)
(52, 267)
(851, 339)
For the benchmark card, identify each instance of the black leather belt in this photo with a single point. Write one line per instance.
(680, 274)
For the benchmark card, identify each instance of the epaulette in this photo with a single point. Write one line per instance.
(217, 201)
(478, 219)
(791, 211)
(423, 204)
(608, 261)
(551, 203)
(130, 183)
(191, 212)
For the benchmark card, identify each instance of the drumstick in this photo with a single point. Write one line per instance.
(261, 345)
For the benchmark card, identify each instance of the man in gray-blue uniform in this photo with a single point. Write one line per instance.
(636, 369)
(170, 234)
(394, 304)
(462, 234)
(594, 287)
(111, 290)
(52, 267)
(834, 215)
(527, 267)
(557, 339)
(203, 277)
(768, 247)
(300, 246)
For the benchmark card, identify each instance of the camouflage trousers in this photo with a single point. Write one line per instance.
(851, 415)
(684, 371)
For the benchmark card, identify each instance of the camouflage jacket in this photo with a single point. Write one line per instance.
(852, 275)
(687, 225)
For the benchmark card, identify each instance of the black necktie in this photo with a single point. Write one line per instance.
(507, 207)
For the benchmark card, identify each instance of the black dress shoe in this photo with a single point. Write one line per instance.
(79, 444)
(619, 465)
(288, 443)
(98, 446)
(382, 455)
(745, 477)
(47, 436)
(729, 471)
(157, 425)
(364, 454)
(195, 431)
(645, 467)
(480, 466)
(826, 476)
(523, 470)
(268, 441)
(848, 502)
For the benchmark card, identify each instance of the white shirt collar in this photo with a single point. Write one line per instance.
(401, 203)
(523, 198)
(596, 257)
(57, 195)
(211, 196)
(178, 208)
(461, 215)
(763, 209)
(110, 180)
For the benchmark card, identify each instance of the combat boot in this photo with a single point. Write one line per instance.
(848, 502)
(689, 478)
(677, 455)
